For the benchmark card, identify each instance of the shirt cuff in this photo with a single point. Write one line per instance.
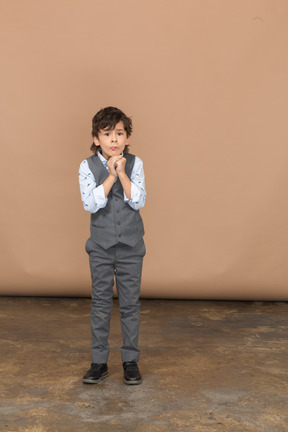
(99, 196)
(135, 194)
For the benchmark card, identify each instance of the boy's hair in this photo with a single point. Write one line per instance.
(107, 118)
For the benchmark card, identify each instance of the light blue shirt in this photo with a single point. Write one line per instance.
(93, 196)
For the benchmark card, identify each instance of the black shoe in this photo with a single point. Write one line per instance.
(96, 373)
(131, 373)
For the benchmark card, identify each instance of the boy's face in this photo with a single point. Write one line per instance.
(112, 142)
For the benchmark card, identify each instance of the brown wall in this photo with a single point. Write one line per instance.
(206, 85)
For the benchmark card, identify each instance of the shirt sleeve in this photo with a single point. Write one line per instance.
(93, 196)
(138, 192)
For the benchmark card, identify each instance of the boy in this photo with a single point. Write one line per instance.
(112, 188)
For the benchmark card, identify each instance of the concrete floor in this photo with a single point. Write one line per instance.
(207, 366)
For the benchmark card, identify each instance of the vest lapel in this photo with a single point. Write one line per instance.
(99, 171)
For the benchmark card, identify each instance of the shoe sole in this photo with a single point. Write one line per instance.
(132, 382)
(89, 381)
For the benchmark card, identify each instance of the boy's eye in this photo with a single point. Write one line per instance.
(120, 133)
(107, 134)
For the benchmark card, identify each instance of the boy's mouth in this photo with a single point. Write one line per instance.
(113, 148)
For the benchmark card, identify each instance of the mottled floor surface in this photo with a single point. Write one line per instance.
(207, 366)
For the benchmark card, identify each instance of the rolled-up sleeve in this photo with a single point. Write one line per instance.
(93, 196)
(138, 192)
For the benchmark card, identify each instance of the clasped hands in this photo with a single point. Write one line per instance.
(116, 165)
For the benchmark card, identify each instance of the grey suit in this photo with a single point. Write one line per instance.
(116, 250)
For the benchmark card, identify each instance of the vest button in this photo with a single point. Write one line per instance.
(118, 223)
(119, 235)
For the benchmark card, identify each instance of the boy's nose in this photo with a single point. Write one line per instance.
(114, 138)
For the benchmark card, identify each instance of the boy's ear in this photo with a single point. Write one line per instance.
(95, 140)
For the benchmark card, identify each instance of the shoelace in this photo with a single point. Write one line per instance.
(131, 366)
(96, 366)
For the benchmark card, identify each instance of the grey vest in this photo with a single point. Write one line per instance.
(117, 222)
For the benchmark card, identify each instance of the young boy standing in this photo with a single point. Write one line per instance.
(112, 186)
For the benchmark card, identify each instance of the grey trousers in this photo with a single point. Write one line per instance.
(124, 263)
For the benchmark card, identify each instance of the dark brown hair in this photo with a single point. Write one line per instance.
(106, 119)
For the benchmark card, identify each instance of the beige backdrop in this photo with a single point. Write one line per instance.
(206, 85)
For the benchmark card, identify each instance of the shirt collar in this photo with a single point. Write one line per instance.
(101, 157)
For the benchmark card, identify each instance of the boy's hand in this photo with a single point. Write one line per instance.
(112, 165)
(120, 165)
(124, 179)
